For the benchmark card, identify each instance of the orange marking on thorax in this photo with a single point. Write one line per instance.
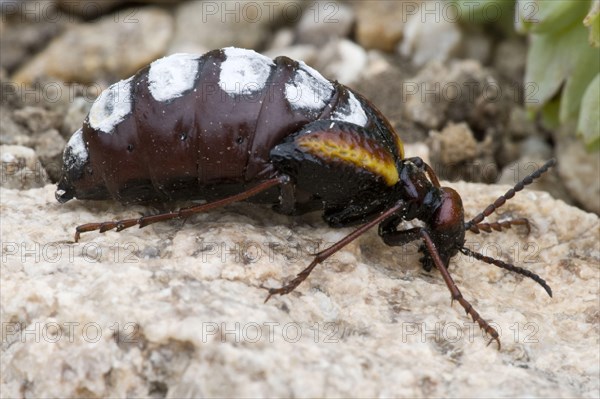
(360, 151)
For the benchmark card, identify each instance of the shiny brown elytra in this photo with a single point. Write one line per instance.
(233, 125)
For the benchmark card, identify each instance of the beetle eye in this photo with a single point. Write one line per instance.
(239, 140)
(182, 136)
(130, 147)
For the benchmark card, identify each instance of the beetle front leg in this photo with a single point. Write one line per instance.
(454, 291)
(402, 237)
(498, 226)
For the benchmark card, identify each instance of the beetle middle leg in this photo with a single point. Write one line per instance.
(181, 213)
(321, 256)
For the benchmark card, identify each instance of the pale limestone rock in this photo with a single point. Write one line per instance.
(109, 317)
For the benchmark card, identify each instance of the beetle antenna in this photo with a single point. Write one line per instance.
(508, 266)
(470, 225)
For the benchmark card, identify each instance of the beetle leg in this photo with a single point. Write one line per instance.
(498, 226)
(402, 237)
(321, 256)
(182, 213)
(454, 291)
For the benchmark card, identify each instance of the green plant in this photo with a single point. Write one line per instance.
(563, 62)
(562, 74)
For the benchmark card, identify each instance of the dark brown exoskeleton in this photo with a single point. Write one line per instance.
(233, 125)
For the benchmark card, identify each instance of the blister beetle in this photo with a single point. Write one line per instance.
(233, 125)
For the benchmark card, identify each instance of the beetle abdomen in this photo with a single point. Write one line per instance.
(188, 122)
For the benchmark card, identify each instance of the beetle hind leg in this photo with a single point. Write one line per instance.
(180, 214)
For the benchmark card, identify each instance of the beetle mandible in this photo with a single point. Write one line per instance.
(234, 125)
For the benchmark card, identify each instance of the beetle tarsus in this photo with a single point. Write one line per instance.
(300, 277)
(498, 226)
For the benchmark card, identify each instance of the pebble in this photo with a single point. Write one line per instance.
(579, 171)
(380, 24)
(454, 144)
(75, 115)
(12, 133)
(429, 38)
(245, 24)
(324, 21)
(342, 60)
(21, 168)
(49, 147)
(27, 28)
(36, 119)
(102, 50)
(458, 91)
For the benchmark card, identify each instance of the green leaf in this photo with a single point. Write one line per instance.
(592, 21)
(586, 68)
(589, 117)
(550, 60)
(486, 11)
(546, 16)
(550, 114)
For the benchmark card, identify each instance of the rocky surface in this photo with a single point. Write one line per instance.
(176, 309)
(105, 50)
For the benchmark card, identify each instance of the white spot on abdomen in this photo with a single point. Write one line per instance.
(308, 89)
(76, 154)
(244, 71)
(111, 107)
(171, 76)
(352, 112)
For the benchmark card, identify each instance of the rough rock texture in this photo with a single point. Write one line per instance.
(20, 168)
(110, 48)
(176, 310)
(242, 23)
(427, 37)
(579, 171)
(379, 24)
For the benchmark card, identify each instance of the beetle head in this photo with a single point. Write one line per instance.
(447, 223)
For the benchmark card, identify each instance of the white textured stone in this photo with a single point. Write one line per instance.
(427, 37)
(369, 322)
